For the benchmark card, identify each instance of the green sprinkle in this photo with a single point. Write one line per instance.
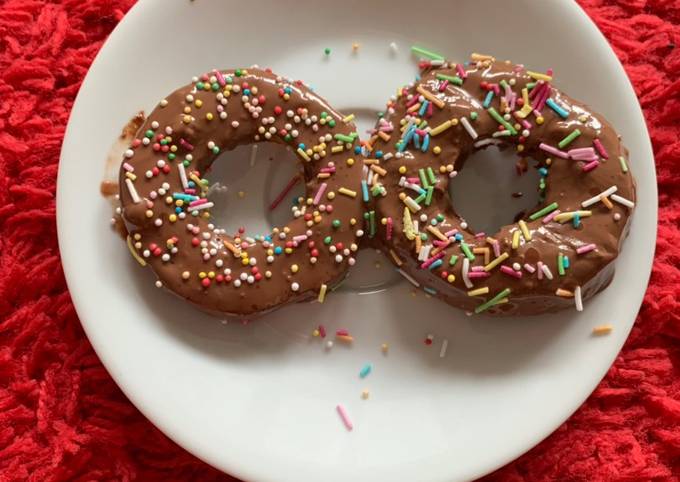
(423, 237)
(466, 250)
(186, 163)
(199, 85)
(542, 212)
(567, 140)
(453, 79)
(485, 306)
(433, 222)
(498, 118)
(474, 115)
(172, 156)
(560, 264)
(428, 196)
(440, 217)
(531, 85)
(624, 166)
(344, 138)
(336, 223)
(327, 51)
(215, 86)
(423, 179)
(421, 198)
(149, 133)
(426, 53)
(503, 83)
(453, 259)
(431, 176)
(331, 122)
(327, 240)
(238, 72)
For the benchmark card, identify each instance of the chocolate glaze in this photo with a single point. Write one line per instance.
(236, 274)
(567, 184)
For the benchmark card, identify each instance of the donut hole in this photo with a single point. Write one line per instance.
(488, 192)
(247, 180)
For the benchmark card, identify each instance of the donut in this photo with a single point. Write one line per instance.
(556, 255)
(166, 199)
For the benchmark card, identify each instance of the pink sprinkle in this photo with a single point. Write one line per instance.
(477, 268)
(322, 331)
(342, 332)
(439, 243)
(537, 89)
(513, 100)
(328, 170)
(389, 229)
(586, 249)
(525, 123)
(299, 238)
(197, 202)
(413, 180)
(421, 132)
(431, 260)
(443, 85)
(544, 98)
(320, 192)
(128, 167)
(386, 128)
(511, 272)
(496, 249)
(581, 153)
(220, 77)
(480, 235)
(450, 233)
(529, 268)
(461, 71)
(590, 166)
(540, 270)
(345, 418)
(600, 148)
(186, 145)
(413, 101)
(190, 190)
(429, 109)
(496, 89)
(553, 150)
(478, 274)
(550, 216)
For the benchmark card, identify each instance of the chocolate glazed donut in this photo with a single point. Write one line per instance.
(562, 252)
(165, 202)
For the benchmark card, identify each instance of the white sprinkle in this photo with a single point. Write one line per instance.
(468, 127)
(295, 286)
(546, 271)
(486, 142)
(578, 301)
(442, 351)
(133, 192)
(424, 252)
(159, 284)
(183, 175)
(129, 153)
(595, 199)
(393, 47)
(408, 277)
(466, 268)
(207, 205)
(623, 200)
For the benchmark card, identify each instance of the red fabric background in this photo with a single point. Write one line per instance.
(63, 418)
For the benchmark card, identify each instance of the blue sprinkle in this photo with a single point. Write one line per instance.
(429, 290)
(426, 143)
(543, 171)
(278, 250)
(357, 149)
(487, 100)
(246, 91)
(416, 141)
(459, 237)
(378, 154)
(191, 184)
(559, 110)
(423, 108)
(435, 264)
(364, 190)
(301, 146)
(178, 210)
(576, 220)
(565, 262)
(365, 370)
(288, 90)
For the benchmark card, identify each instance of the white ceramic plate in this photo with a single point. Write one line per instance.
(259, 401)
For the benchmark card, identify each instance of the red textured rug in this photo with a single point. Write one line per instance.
(63, 418)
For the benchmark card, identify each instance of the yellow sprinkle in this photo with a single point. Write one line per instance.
(350, 162)
(481, 57)
(303, 155)
(295, 268)
(336, 149)
(525, 230)
(564, 217)
(440, 128)
(485, 251)
(364, 394)
(378, 169)
(605, 200)
(402, 169)
(131, 176)
(316, 333)
(564, 293)
(350, 117)
(384, 136)
(345, 338)
(496, 262)
(515, 240)
(347, 192)
(384, 347)
(322, 293)
(602, 330)
(539, 76)
(437, 150)
(451, 278)
(133, 252)
(479, 291)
